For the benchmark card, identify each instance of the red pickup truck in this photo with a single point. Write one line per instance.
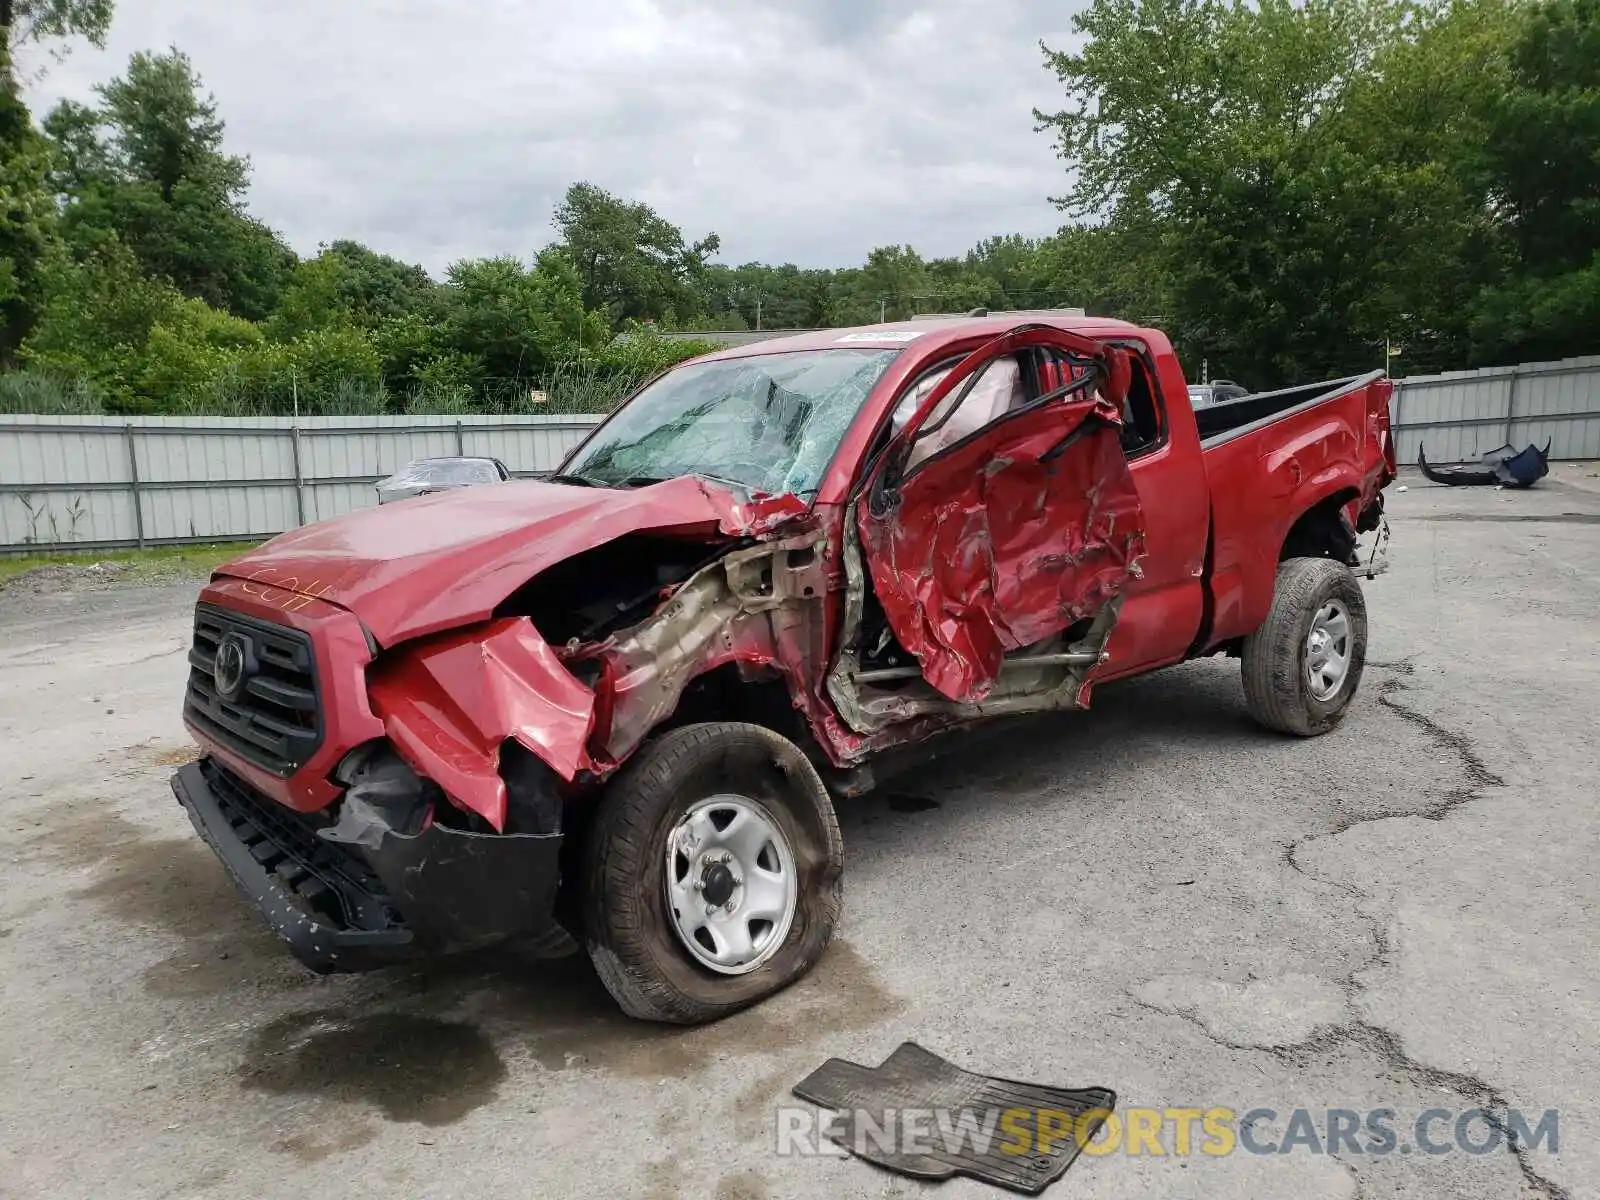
(614, 707)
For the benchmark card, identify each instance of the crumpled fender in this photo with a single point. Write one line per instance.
(449, 702)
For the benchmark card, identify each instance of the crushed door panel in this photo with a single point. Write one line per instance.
(1008, 536)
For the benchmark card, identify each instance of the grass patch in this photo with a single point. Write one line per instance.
(131, 566)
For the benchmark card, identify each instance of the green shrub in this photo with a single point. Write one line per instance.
(336, 367)
(44, 393)
(188, 356)
(641, 353)
(445, 383)
(598, 382)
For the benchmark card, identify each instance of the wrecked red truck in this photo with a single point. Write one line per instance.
(613, 708)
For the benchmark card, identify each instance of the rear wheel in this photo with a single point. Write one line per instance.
(1303, 666)
(713, 873)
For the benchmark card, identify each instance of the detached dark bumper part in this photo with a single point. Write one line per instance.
(439, 891)
(464, 890)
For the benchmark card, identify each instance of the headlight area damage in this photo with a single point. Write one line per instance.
(636, 620)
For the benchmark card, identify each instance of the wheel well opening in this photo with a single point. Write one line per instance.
(754, 696)
(732, 693)
(1323, 531)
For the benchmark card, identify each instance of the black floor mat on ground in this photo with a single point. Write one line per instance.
(914, 1081)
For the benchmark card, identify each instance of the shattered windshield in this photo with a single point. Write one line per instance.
(770, 423)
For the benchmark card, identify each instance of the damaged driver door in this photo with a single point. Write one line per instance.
(1003, 511)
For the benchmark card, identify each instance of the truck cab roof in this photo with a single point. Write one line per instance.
(932, 332)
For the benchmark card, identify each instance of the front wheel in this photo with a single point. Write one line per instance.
(713, 873)
(1303, 666)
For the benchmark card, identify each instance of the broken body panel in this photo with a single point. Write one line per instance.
(1007, 572)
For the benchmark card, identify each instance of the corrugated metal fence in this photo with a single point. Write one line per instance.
(1462, 414)
(102, 482)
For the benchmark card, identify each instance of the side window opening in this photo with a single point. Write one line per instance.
(911, 399)
(1141, 413)
(1012, 382)
(1054, 370)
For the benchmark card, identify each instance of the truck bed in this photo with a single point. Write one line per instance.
(1322, 448)
(1234, 418)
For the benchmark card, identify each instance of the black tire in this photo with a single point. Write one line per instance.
(635, 949)
(1276, 687)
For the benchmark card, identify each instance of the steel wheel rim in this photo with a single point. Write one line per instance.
(1327, 651)
(728, 848)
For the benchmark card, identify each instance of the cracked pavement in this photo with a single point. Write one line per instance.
(1154, 897)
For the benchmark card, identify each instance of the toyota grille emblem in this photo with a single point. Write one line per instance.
(228, 672)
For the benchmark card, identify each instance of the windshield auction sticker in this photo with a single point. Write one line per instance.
(883, 335)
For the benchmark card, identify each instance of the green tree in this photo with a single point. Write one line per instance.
(1010, 267)
(148, 166)
(1539, 171)
(23, 21)
(29, 242)
(755, 294)
(349, 283)
(515, 322)
(95, 317)
(633, 263)
(1288, 177)
(1107, 269)
(893, 284)
(28, 226)
(80, 158)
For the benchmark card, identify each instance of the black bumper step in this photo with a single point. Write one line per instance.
(322, 900)
(439, 891)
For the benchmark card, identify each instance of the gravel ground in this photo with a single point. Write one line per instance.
(1154, 897)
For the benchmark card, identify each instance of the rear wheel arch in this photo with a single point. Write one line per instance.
(1322, 530)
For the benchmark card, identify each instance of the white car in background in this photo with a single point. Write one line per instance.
(1218, 391)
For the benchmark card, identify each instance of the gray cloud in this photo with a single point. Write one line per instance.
(808, 131)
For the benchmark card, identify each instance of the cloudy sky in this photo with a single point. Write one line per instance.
(800, 130)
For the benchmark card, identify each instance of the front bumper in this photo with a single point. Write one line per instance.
(437, 892)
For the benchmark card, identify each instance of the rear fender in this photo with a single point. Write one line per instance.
(1243, 593)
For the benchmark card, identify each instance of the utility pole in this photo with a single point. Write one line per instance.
(758, 314)
(883, 306)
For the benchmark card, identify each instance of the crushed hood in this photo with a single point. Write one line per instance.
(434, 562)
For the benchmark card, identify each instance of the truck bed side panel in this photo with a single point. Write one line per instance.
(1265, 476)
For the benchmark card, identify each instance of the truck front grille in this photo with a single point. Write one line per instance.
(262, 705)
